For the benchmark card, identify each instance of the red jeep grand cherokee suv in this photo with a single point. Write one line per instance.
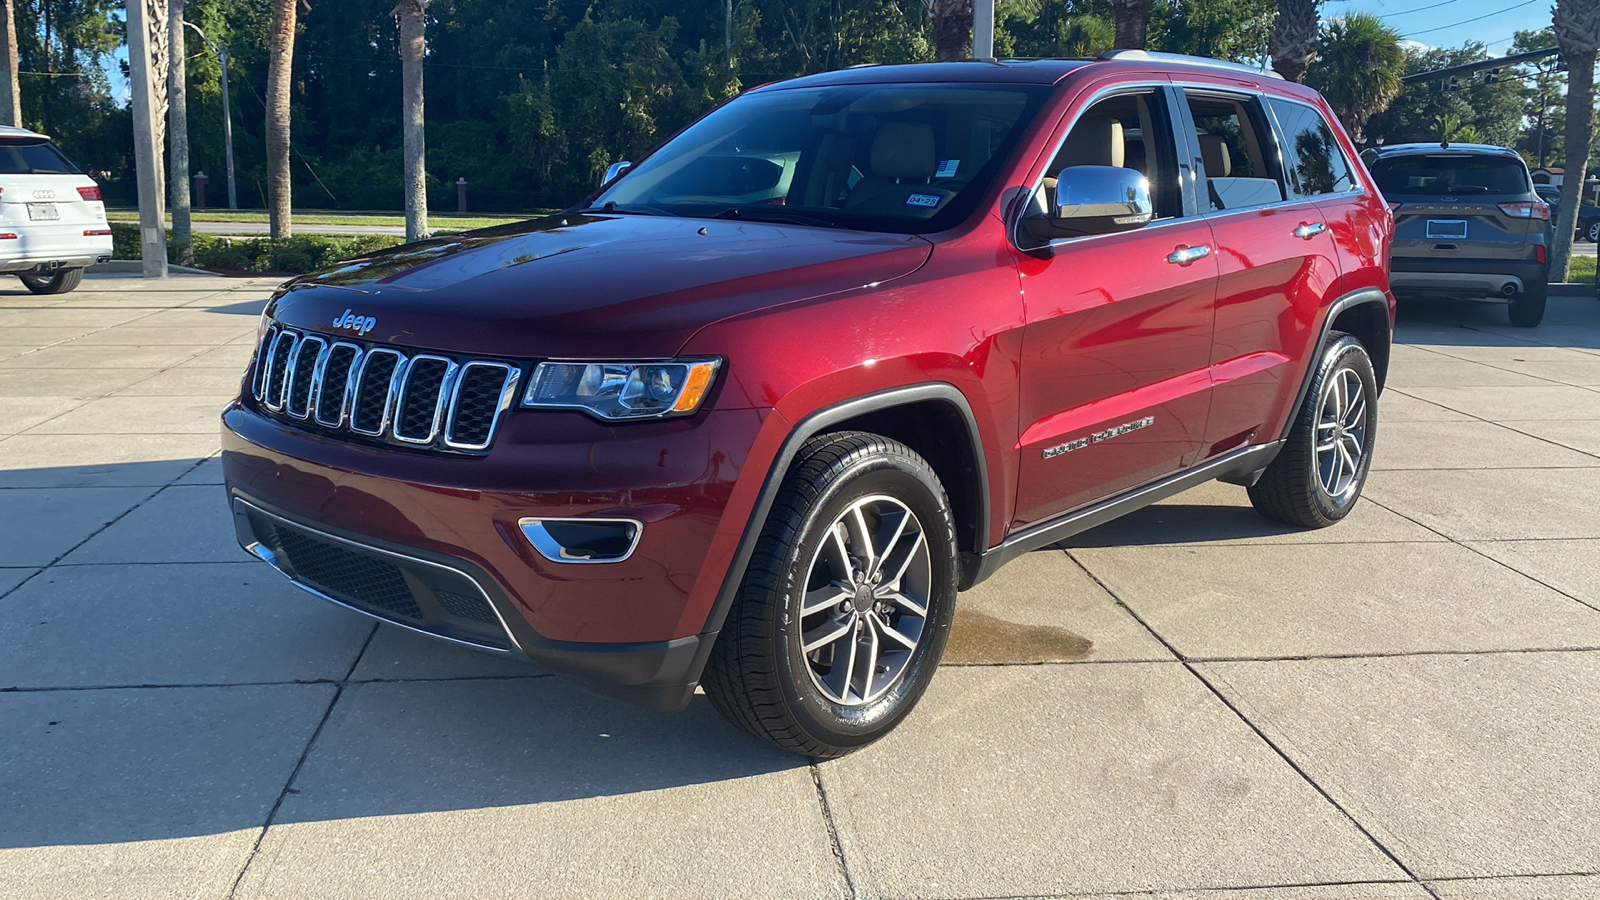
(753, 415)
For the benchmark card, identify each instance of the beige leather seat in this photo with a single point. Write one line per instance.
(1215, 157)
(903, 154)
(1093, 141)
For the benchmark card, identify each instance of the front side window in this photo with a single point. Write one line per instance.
(1314, 163)
(1127, 131)
(885, 157)
(1449, 175)
(33, 157)
(1233, 153)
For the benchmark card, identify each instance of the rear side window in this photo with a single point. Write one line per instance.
(35, 158)
(1231, 143)
(1314, 163)
(1455, 175)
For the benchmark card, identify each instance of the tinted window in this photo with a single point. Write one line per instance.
(33, 159)
(1312, 156)
(1455, 175)
(888, 157)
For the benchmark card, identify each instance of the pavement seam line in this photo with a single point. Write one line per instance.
(834, 843)
(305, 753)
(1477, 418)
(1260, 734)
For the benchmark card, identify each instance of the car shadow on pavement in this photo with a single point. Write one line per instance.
(1180, 523)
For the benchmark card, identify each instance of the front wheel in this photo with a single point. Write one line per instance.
(60, 282)
(845, 608)
(1319, 473)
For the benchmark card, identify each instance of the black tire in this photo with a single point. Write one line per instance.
(1527, 307)
(1293, 488)
(62, 281)
(758, 676)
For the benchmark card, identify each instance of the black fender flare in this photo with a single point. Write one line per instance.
(1349, 301)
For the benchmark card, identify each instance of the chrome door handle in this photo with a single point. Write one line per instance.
(1186, 255)
(1306, 232)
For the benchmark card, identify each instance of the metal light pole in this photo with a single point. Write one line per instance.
(227, 117)
(983, 29)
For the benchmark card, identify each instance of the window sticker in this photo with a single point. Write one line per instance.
(947, 168)
(926, 201)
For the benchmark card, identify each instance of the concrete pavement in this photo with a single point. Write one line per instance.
(1208, 705)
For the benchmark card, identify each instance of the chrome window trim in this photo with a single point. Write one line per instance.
(508, 393)
(388, 397)
(1021, 204)
(261, 552)
(272, 371)
(294, 371)
(532, 528)
(446, 388)
(344, 392)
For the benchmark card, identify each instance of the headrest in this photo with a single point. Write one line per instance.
(1093, 141)
(1215, 157)
(904, 150)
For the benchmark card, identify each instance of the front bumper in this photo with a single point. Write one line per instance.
(430, 541)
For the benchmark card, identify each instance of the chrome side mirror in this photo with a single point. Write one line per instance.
(614, 171)
(1095, 200)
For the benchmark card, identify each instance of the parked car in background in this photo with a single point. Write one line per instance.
(1588, 227)
(687, 434)
(52, 221)
(1467, 225)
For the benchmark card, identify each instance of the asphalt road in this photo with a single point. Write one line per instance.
(1403, 706)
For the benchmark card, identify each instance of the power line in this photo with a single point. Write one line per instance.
(1475, 19)
(1405, 12)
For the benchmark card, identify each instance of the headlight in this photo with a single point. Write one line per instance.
(622, 390)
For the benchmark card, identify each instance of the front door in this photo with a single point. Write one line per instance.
(1115, 386)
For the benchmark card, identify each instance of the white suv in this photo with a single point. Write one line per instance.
(52, 223)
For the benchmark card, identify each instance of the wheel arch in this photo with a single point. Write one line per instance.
(1363, 313)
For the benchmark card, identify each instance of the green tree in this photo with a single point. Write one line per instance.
(1544, 96)
(1292, 40)
(1492, 109)
(1359, 69)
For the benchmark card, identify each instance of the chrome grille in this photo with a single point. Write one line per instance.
(381, 392)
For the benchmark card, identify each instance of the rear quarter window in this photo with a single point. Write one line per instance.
(1312, 158)
(33, 158)
(1455, 175)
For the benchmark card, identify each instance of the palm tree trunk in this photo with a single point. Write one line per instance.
(1292, 40)
(10, 91)
(280, 65)
(952, 28)
(1130, 18)
(412, 24)
(156, 41)
(178, 135)
(1580, 137)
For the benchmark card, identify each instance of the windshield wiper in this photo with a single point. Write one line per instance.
(773, 214)
(611, 208)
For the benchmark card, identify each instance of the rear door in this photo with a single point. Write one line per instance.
(1459, 205)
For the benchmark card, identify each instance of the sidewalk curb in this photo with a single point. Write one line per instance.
(1573, 289)
(136, 267)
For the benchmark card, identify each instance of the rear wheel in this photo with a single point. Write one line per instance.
(1318, 475)
(60, 282)
(844, 611)
(1591, 231)
(1527, 307)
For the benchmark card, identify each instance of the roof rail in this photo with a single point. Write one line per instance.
(1147, 56)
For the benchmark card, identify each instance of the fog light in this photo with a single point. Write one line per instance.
(582, 540)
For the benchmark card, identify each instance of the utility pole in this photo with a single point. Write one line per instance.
(178, 133)
(221, 50)
(983, 29)
(727, 28)
(146, 148)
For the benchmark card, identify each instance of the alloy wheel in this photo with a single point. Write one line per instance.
(1341, 435)
(866, 600)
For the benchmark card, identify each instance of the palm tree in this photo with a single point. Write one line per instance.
(1359, 69)
(10, 95)
(1292, 40)
(178, 134)
(1130, 18)
(1577, 28)
(280, 66)
(952, 28)
(411, 15)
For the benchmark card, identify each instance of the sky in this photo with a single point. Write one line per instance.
(1451, 23)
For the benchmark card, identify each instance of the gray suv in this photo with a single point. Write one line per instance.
(1468, 225)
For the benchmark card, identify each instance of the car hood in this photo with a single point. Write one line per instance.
(587, 286)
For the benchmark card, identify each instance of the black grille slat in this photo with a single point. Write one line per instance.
(465, 607)
(347, 575)
(368, 413)
(479, 388)
(301, 374)
(417, 415)
(386, 394)
(335, 380)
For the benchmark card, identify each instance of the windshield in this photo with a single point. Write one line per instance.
(1455, 176)
(33, 158)
(883, 157)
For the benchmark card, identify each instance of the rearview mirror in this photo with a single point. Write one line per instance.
(1094, 200)
(614, 171)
